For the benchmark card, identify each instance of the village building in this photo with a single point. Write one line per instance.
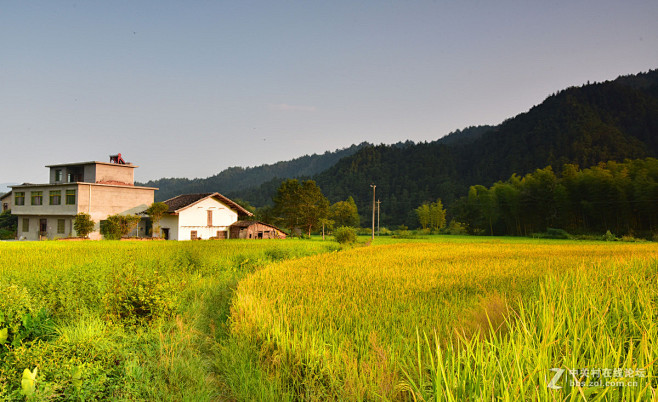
(5, 202)
(200, 216)
(99, 189)
(255, 230)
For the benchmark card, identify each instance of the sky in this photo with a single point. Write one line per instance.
(187, 89)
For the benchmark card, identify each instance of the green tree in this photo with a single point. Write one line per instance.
(117, 226)
(83, 225)
(156, 211)
(301, 205)
(345, 213)
(423, 214)
(437, 215)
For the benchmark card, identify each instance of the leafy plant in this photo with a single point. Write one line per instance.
(345, 235)
(83, 224)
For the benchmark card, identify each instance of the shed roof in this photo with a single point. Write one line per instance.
(184, 201)
(246, 224)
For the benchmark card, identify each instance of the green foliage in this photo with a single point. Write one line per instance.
(8, 225)
(117, 226)
(613, 196)
(431, 216)
(139, 297)
(345, 213)
(301, 205)
(83, 225)
(552, 233)
(345, 235)
(608, 236)
(156, 211)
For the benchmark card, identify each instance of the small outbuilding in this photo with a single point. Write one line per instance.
(255, 230)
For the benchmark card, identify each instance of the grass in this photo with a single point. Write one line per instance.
(484, 319)
(128, 320)
(432, 318)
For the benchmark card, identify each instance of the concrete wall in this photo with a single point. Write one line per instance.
(196, 218)
(45, 208)
(120, 173)
(99, 201)
(51, 227)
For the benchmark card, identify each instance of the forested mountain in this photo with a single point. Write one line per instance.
(238, 178)
(613, 120)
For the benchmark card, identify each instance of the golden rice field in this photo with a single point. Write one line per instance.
(441, 318)
(457, 321)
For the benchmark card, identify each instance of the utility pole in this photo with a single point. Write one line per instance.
(373, 210)
(378, 202)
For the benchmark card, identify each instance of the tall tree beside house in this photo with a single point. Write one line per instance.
(83, 225)
(301, 205)
(345, 213)
(156, 211)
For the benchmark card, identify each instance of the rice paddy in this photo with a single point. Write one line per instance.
(440, 318)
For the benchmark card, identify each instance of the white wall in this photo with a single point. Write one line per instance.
(196, 218)
(170, 222)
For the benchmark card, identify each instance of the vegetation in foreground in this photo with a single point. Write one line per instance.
(123, 320)
(451, 321)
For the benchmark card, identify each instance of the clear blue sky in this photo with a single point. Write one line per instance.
(186, 89)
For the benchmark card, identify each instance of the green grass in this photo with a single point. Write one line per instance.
(137, 320)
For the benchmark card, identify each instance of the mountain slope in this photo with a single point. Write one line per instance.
(237, 178)
(613, 120)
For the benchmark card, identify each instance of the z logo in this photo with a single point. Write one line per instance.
(556, 378)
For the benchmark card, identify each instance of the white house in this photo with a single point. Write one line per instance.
(200, 216)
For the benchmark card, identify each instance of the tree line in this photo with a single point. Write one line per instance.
(621, 197)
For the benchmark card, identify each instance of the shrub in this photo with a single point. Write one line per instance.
(139, 297)
(118, 226)
(345, 235)
(608, 236)
(457, 228)
(83, 224)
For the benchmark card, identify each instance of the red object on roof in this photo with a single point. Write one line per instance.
(117, 159)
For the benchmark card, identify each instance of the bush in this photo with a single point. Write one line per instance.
(608, 236)
(345, 235)
(83, 225)
(118, 226)
(457, 228)
(139, 297)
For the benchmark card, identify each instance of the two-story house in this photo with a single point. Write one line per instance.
(99, 189)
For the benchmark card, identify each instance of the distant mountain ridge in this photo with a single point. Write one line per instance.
(612, 120)
(235, 179)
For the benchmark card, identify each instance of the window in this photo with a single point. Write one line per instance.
(19, 199)
(5, 206)
(55, 197)
(193, 235)
(209, 218)
(37, 197)
(70, 197)
(60, 226)
(26, 225)
(58, 175)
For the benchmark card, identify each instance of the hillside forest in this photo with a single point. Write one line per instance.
(581, 161)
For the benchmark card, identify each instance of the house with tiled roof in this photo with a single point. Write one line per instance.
(200, 216)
